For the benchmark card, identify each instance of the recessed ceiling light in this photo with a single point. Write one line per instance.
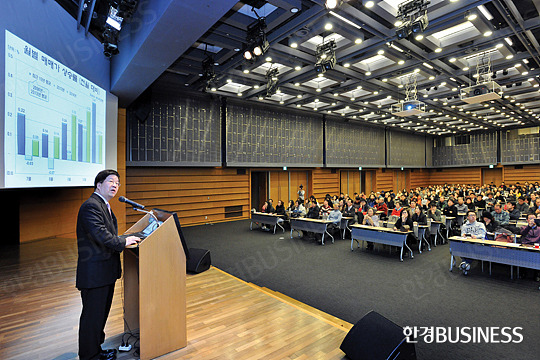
(465, 68)
(297, 68)
(328, 26)
(347, 65)
(256, 86)
(472, 17)
(438, 50)
(318, 90)
(294, 45)
(419, 37)
(499, 45)
(452, 59)
(398, 23)
(384, 80)
(508, 57)
(368, 73)
(401, 62)
(432, 77)
(358, 41)
(296, 84)
(488, 33)
(268, 59)
(294, 10)
(246, 71)
(380, 52)
(369, 4)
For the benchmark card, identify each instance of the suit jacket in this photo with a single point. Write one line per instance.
(99, 246)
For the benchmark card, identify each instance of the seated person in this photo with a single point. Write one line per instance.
(461, 206)
(280, 208)
(500, 215)
(381, 206)
(450, 209)
(325, 209)
(349, 211)
(522, 206)
(291, 206)
(335, 217)
(363, 206)
(530, 234)
(469, 203)
(434, 213)
(313, 212)
(299, 209)
(479, 202)
(404, 223)
(514, 213)
(370, 219)
(475, 230)
(397, 209)
(490, 224)
(419, 216)
(270, 208)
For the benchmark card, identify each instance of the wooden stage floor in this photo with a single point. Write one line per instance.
(226, 317)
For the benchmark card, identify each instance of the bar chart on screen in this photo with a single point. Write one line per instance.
(54, 121)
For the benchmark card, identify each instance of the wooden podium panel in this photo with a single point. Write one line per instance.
(155, 289)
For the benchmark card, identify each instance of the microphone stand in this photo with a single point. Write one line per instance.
(149, 213)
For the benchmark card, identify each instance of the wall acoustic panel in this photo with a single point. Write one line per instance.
(404, 149)
(181, 130)
(266, 136)
(470, 150)
(520, 146)
(349, 144)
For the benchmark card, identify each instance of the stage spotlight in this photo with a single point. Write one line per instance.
(271, 81)
(110, 42)
(420, 24)
(257, 43)
(332, 4)
(403, 31)
(326, 56)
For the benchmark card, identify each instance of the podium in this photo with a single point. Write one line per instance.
(155, 287)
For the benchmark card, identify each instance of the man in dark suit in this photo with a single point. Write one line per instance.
(98, 265)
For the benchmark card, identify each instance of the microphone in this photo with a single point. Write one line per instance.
(130, 202)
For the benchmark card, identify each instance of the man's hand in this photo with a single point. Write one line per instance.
(531, 222)
(131, 240)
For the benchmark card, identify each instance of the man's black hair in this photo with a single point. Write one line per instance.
(103, 174)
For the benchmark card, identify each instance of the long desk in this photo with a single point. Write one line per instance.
(269, 219)
(494, 251)
(380, 235)
(344, 225)
(435, 226)
(422, 237)
(317, 226)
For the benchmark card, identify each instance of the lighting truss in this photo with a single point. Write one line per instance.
(326, 56)
(413, 17)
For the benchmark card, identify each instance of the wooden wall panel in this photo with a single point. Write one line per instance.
(530, 173)
(53, 212)
(492, 175)
(198, 195)
(344, 181)
(371, 180)
(385, 180)
(420, 178)
(325, 182)
(456, 176)
(354, 182)
(279, 186)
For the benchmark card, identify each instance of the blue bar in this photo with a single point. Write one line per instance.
(94, 144)
(64, 141)
(80, 142)
(45, 145)
(21, 132)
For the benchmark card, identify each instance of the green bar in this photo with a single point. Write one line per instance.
(35, 147)
(100, 149)
(56, 147)
(74, 137)
(88, 135)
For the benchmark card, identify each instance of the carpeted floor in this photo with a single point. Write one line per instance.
(415, 292)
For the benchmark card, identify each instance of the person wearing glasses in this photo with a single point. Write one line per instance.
(475, 230)
(98, 264)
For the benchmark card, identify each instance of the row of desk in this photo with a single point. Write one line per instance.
(494, 251)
